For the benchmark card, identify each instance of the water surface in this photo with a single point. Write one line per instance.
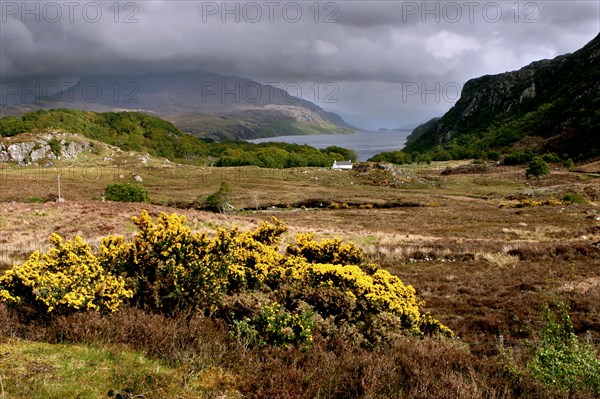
(365, 143)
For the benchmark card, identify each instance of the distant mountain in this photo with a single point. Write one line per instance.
(410, 126)
(204, 104)
(549, 106)
(422, 130)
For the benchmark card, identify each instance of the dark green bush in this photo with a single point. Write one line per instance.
(35, 200)
(55, 146)
(220, 200)
(340, 154)
(574, 198)
(551, 157)
(442, 155)
(126, 192)
(518, 158)
(397, 157)
(493, 155)
(569, 163)
(537, 167)
(11, 126)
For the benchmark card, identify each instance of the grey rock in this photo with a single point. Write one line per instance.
(20, 152)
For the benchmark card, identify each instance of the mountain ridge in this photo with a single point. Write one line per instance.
(252, 109)
(550, 105)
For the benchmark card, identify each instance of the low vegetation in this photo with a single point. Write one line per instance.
(537, 167)
(564, 360)
(242, 278)
(294, 311)
(133, 131)
(126, 192)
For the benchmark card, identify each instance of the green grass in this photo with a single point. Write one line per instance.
(36, 370)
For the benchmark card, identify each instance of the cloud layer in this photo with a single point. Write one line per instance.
(376, 52)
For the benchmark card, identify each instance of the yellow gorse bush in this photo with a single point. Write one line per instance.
(68, 278)
(331, 250)
(169, 268)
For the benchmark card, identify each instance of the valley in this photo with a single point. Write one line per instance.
(156, 241)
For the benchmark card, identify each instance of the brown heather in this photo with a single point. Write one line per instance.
(483, 270)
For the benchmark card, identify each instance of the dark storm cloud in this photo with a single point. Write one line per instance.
(373, 50)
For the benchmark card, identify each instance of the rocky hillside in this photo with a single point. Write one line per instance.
(549, 105)
(42, 148)
(204, 104)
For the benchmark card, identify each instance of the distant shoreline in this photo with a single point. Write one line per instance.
(366, 143)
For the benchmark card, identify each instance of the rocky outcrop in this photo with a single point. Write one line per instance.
(553, 99)
(27, 149)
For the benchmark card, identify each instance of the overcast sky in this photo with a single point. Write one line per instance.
(377, 63)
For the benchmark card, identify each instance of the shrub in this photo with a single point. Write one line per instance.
(562, 359)
(518, 158)
(168, 267)
(493, 155)
(68, 278)
(55, 146)
(537, 167)
(11, 126)
(171, 269)
(264, 295)
(220, 200)
(275, 325)
(442, 155)
(550, 157)
(575, 198)
(327, 251)
(397, 157)
(35, 200)
(569, 163)
(126, 192)
(343, 154)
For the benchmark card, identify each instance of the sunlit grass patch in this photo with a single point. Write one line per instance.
(32, 370)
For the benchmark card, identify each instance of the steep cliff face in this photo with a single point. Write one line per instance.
(555, 101)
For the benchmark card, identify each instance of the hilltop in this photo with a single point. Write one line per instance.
(205, 104)
(548, 106)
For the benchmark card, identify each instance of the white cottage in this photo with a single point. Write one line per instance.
(342, 165)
